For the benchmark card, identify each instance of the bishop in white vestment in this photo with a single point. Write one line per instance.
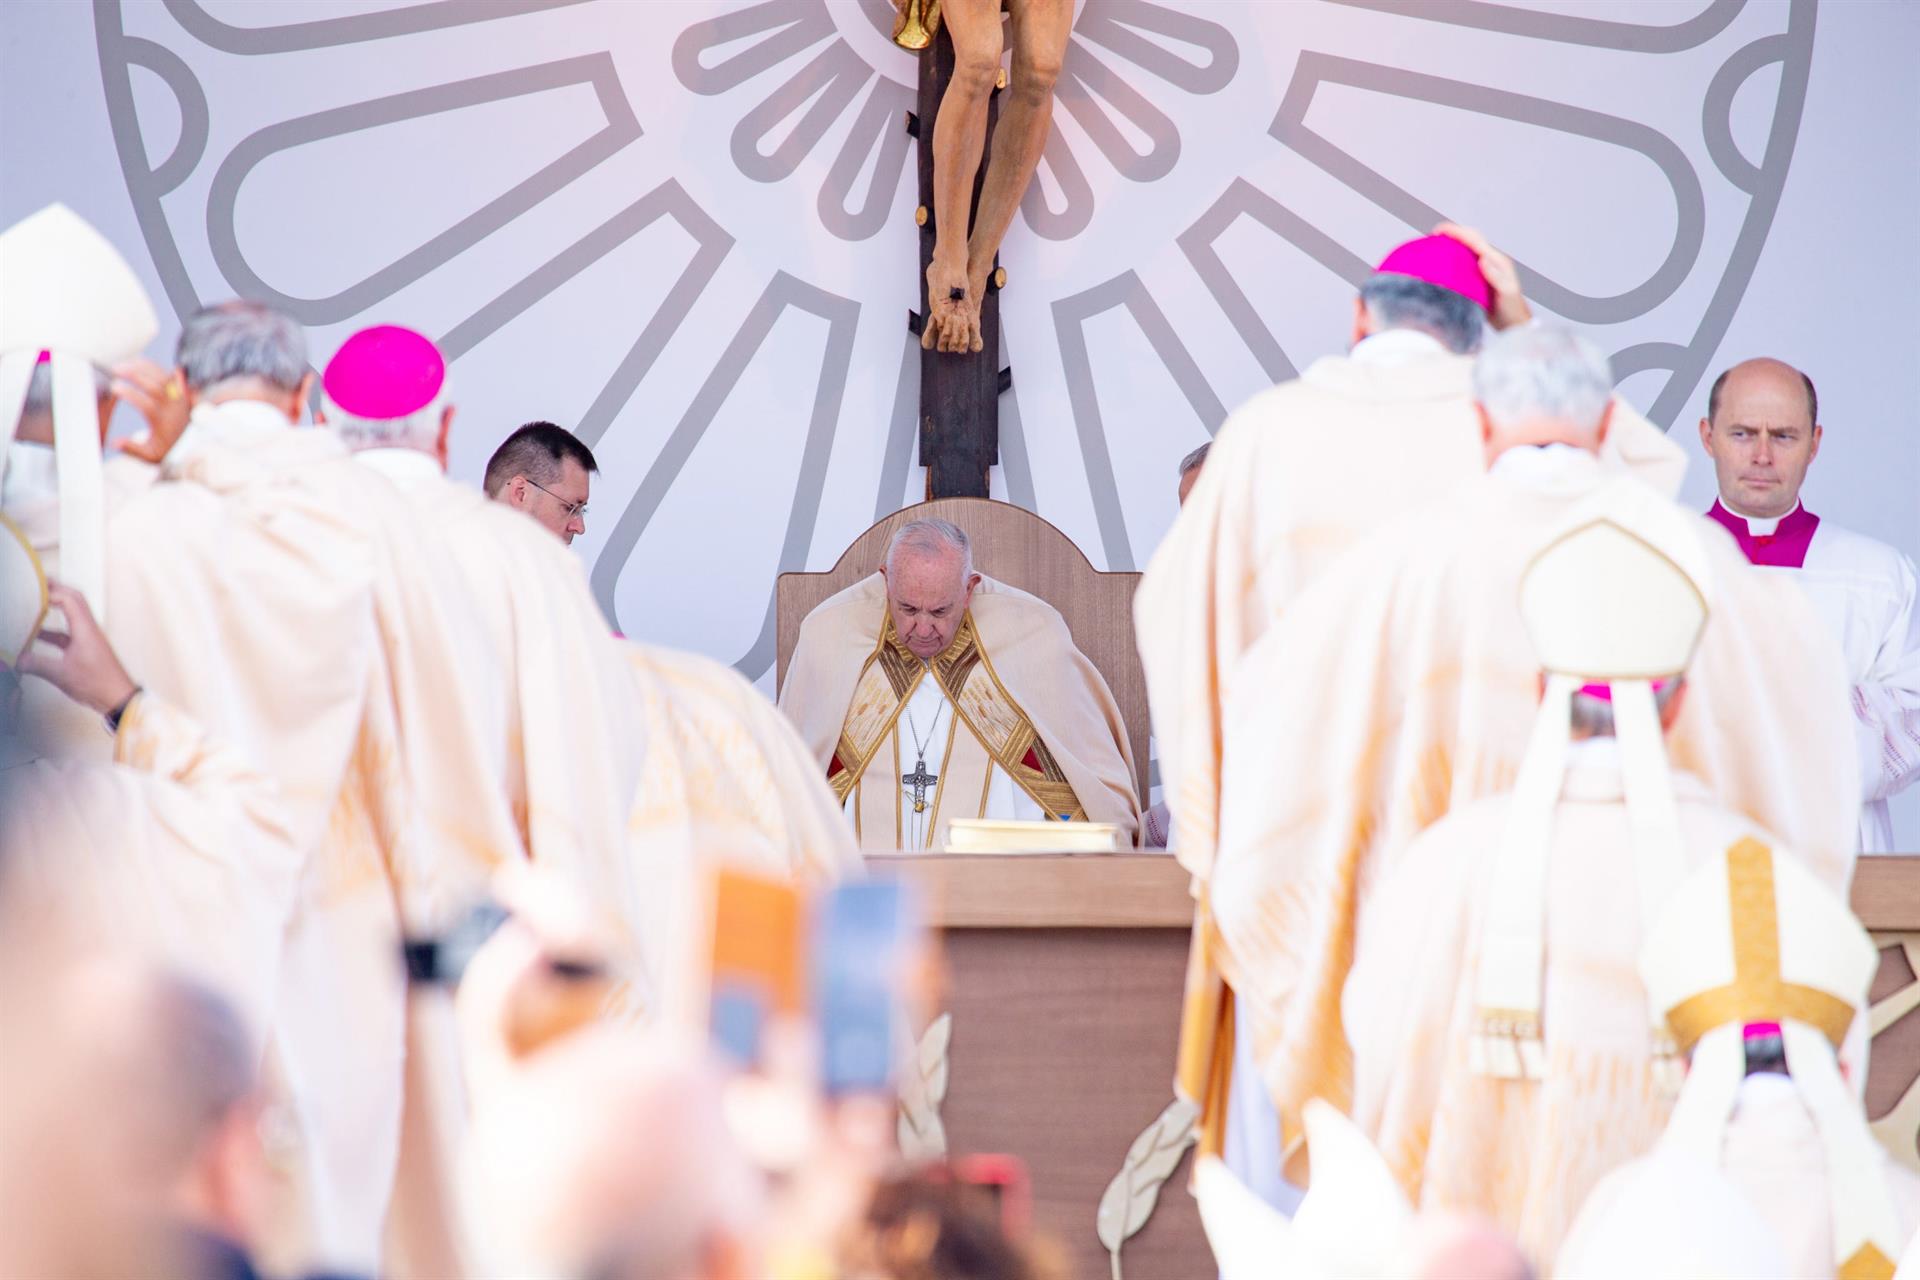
(1762, 432)
(1759, 969)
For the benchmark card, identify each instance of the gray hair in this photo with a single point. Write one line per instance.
(1193, 460)
(1593, 716)
(1401, 302)
(237, 340)
(1542, 372)
(417, 430)
(930, 537)
(40, 389)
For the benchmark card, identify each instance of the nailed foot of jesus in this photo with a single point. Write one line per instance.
(953, 323)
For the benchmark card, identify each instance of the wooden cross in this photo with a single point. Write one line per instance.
(959, 394)
(920, 780)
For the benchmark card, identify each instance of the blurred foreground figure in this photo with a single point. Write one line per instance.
(608, 1156)
(1411, 664)
(595, 1150)
(925, 1227)
(1760, 971)
(1353, 1225)
(176, 848)
(126, 1130)
(1762, 431)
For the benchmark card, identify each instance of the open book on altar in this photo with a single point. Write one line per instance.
(998, 835)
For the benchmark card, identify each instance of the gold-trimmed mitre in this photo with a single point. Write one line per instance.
(1752, 937)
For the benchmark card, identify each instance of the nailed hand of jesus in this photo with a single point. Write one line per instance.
(1510, 305)
(79, 663)
(161, 397)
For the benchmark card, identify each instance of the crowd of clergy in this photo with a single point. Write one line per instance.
(1521, 805)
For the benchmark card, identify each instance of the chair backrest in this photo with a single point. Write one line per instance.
(1017, 547)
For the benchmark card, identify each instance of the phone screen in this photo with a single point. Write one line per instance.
(755, 961)
(863, 951)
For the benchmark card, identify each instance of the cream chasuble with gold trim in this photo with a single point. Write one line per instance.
(1014, 720)
(941, 762)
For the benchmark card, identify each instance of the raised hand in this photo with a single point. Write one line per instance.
(161, 397)
(80, 663)
(1510, 306)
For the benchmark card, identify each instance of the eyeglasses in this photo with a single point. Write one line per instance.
(574, 510)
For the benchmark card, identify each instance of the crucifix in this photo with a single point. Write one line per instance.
(919, 780)
(975, 165)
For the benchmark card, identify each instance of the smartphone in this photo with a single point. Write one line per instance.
(866, 941)
(755, 961)
(440, 959)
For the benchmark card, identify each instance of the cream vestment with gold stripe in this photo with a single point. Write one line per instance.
(1022, 703)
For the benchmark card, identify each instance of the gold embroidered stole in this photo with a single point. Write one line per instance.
(965, 674)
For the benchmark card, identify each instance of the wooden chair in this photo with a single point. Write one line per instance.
(1017, 547)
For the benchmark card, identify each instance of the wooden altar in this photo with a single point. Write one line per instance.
(1064, 990)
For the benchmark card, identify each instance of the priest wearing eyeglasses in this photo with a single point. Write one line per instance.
(928, 692)
(545, 471)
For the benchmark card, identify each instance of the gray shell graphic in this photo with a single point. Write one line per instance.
(683, 226)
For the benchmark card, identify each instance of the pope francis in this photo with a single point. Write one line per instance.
(928, 692)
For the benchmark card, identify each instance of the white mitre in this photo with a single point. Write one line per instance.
(1754, 937)
(1615, 601)
(1346, 1228)
(66, 291)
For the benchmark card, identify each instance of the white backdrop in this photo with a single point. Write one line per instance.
(684, 227)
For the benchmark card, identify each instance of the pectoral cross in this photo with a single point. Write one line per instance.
(919, 780)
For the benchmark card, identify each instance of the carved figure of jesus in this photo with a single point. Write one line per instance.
(957, 277)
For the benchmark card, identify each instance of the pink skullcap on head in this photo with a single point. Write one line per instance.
(1442, 261)
(46, 357)
(384, 372)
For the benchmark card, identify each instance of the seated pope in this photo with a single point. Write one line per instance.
(928, 692)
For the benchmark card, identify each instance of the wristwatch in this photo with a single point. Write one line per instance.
(113, 716)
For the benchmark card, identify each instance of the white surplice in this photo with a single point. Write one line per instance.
(927, 722)
(1865, 589)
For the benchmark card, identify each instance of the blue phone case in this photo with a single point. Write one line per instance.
(861, 956)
